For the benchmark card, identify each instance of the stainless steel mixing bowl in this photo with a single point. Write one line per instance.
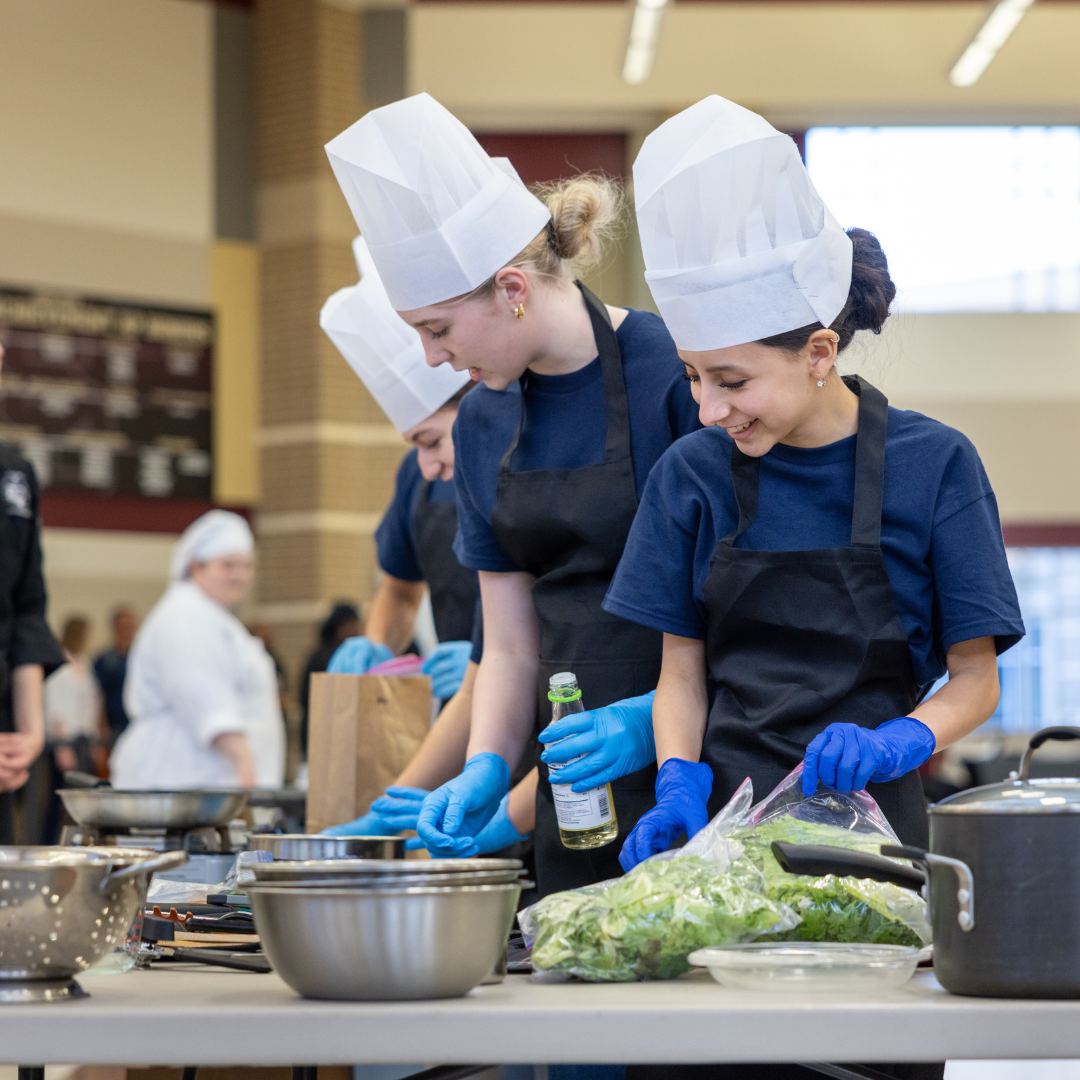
(398, 881)
(62, 909)
(312, 868)
(384, 944)
(293, 847)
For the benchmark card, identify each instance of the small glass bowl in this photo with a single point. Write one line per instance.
(794, 967)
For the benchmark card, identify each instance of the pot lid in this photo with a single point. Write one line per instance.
(1019, 794)
(1060, 795)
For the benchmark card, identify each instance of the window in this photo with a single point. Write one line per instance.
(971, 218)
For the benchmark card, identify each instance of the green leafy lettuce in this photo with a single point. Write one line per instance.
(834, 908)
(644, 924)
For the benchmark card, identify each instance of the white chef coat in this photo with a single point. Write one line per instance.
(194, 673)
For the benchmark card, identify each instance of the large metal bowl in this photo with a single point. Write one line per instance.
(398, 881)
(62, 909)
(116, 808)
(325, 868)
(296, 847)
(384, 944)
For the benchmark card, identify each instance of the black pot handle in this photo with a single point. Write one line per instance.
(965, 893)
(819, 859)
(1062, 734)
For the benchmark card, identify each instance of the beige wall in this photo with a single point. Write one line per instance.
(798, 63)
(1010, 382)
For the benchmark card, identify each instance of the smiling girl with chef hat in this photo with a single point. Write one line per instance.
(201, 691)
(815, 559)
(579, 400)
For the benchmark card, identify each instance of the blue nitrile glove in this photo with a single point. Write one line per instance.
(454, 814)
(391, 813)
(848, 757)
(356, 654)
(499, 832)
(617, 740)
(682, 790)
(446, 666)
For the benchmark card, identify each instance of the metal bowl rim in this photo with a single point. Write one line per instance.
(420, 890)
(377, 866)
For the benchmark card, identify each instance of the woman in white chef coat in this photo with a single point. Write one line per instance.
(201, 691)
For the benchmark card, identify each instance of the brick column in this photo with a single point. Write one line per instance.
(328, 454)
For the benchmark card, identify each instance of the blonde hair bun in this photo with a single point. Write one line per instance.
(586, 214)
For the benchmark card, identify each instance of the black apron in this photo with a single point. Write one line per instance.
(798, 640)
(454, 590)
(568, 528)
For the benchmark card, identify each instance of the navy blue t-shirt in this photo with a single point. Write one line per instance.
(395, 538)
(565, 427)
(940, 533)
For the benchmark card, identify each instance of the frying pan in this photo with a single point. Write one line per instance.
(94, 803)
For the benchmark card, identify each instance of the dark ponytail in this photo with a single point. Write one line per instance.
(867, 307)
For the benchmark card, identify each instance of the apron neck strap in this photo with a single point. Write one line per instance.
(869, 471)
(617, 443)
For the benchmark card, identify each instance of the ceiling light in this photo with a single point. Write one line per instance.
(644, 34)
(993, 33)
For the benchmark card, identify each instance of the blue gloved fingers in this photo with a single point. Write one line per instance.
(587, 742)
(829, 759)
(568, 725)
(415, 794)
(810, 763)
(356, 654)
(349, 828)
(457, 652)
(850, 758)
(500, 832)
(414, 843)
(649, 836)
(870, 758)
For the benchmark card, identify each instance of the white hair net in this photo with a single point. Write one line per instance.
(216, 533)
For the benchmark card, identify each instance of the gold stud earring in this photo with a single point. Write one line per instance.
(519, 311)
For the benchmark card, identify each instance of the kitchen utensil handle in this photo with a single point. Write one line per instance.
(76, 779)
(167, 860)
(965, 893)
(1061, 734)
(238, 963)
(819, 859)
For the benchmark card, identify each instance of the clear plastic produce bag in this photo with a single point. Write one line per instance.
(644, 924)
(831, 908)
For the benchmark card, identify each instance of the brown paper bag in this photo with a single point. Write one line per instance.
(362, 731)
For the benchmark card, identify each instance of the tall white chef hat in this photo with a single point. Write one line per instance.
(384, 350)
(439, 215)
(738, 245)
(216, 533)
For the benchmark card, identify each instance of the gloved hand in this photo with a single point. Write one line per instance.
(499, 832)
(391, 813)
(356, 654)
(617, 740)
(454, 814)
(847, 757)
(446, 666)
(682, 790)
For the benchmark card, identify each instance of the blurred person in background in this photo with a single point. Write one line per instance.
(73, 706)
(75, 727)
(343, 622)
(201, 691)
(111, 668)
(28, 649)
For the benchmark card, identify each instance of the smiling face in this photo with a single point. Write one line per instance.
(481, 334)
(763, 396)
(434, 443)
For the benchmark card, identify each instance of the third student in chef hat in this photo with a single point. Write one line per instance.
(815, 559)
(580, 398)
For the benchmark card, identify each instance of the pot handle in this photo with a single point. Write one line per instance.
(1062, 734)
(818, 859)
(965, 894)
(167, 860)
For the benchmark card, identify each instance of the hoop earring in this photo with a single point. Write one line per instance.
(519, 311)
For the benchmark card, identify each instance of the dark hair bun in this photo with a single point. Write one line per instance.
(872, 290)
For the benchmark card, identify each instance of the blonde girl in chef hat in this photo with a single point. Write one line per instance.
(201, 691)
(484, 270)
